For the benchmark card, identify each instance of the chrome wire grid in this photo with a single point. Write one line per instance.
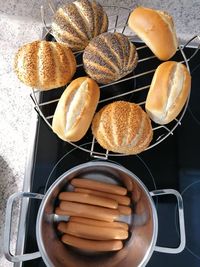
(117, 17)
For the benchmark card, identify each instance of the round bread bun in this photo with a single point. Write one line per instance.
(109, 57)
(122, 127)
(156, 29)
(168, 92)
(75, 109)
(44, 65)
(77, 23)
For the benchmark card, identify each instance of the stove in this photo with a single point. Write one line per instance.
(174, 163)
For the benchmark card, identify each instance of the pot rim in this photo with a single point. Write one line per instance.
(150, 250)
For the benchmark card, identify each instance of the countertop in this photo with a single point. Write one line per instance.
(20, 23)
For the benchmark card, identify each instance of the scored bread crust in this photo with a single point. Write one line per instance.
(78, 22)
(156, 29)
(122, 127)
(109, 57)
(83, 111)
(44, 65)
(168, 92)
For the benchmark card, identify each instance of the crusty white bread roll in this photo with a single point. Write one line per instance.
(77, 23)
(109, 57)
(89, 199)
(44, 65)
(92, 231)
(156, 29)
(168, 92)
(92, 245)
(122, 127)
(124, 200)
(99, 186)
(75, 109)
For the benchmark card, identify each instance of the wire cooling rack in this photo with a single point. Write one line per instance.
(133, 87)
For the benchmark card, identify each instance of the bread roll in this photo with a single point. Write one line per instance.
(75, 109)
(122, 127)
(77, 23)
(109, 57)
(156, 29)
(45, 65)
(168, 92)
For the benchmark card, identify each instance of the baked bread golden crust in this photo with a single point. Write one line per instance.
(109, 57)
(44, 65)
(156, 29)
(122, 127)
(77, 23)
(76, 109)
(168, 92)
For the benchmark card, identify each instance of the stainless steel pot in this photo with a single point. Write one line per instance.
(143, 223)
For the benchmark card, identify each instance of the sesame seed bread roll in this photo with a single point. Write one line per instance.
(44, 65)
(76, 109)
(122, 127)
(109, 57)
(156, 29)
(77, 23)
(168, 92)
(92, 245)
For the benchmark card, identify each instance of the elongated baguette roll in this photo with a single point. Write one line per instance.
(77, 23)
(99, 186)
(156, 29)
(75, 109)
(89, 211)
(124, 200)
(168, 92)
(92, 245)
(92, 231)
(109, 57)
(44, 65)
(122, 127)
(88, 199)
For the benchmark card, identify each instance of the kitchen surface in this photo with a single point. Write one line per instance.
(20, 22)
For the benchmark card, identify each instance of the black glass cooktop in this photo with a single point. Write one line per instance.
(174, 163)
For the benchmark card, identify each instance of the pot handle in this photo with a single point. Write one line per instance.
(7, 229)
(181, 221)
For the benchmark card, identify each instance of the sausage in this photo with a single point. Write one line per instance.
(92, 245)
(91, 231)
(124, 200)
(99, 223)
(124, 210)
(88, 199)
(99, 186)
(89, 211)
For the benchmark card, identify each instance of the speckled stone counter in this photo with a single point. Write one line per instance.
(20, 23)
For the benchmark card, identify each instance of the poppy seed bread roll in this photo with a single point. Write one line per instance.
(156, 29)
(109, 57)
(75, 109)
(44, 65)
(77, 23)
(122, 127)
(168, 92)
